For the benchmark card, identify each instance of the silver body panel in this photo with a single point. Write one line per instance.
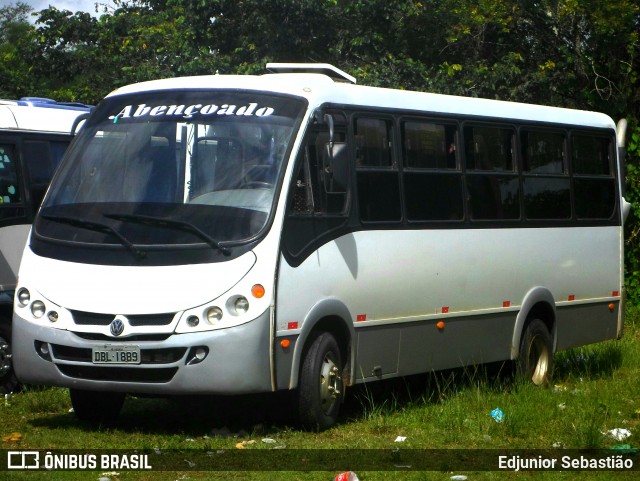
(480, 282)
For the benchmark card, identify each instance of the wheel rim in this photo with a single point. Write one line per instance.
(330, 383)
(538, 360)
(5, 357)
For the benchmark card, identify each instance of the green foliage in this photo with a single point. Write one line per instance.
(632, 227)
(567, 53)
(559, 52)
(16, 45)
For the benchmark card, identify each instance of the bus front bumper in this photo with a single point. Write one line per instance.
(236, 360)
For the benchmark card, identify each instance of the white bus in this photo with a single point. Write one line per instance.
(34, 133)
(294, 231)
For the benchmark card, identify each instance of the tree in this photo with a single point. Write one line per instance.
(16, 45)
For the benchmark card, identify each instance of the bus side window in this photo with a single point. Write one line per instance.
(593, 181)
(376, 171)
(546, 183)
(493, 187)
(315, 189)
(9, 189)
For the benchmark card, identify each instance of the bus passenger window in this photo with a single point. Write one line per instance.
(591, 155)
(543, 152)
(546, 185)
(373, 143)
(9, 189)
(492, 180)
(377, 174)
(427, 145)
(432, 179)
(594, 186)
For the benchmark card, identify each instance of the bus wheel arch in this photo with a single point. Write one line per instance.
(538, 303)
(534, 338)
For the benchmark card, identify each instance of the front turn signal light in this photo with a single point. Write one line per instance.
(257, 291)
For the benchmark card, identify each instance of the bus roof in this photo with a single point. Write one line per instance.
(15, 116)
(319, 89)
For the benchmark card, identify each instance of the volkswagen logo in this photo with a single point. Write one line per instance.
(116, 327)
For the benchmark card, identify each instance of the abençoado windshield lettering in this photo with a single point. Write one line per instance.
(184, 111)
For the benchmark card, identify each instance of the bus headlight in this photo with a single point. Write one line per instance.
(214, 314)
(38, 309)
(24, 296)
(241, 305)
(193, 321)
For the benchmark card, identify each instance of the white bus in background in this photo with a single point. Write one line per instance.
(34, 134)
(294, 231)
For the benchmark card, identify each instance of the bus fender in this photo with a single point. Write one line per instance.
(330, 308)
(535, 296)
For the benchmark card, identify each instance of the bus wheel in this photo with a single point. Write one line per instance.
(8, 381)
(320, 391)
(535, 361)
(96, 406)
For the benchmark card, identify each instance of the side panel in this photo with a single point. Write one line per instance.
(398, 284)
(462, 341)
(585, 324)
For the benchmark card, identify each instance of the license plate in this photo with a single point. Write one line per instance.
(115, 354)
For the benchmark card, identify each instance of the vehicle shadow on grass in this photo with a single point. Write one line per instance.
(191, 415)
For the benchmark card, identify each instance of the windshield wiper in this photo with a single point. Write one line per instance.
(96, 226)
(171, 224)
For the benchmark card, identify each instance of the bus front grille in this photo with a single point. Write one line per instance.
(90, 336)
(118, 374)
(148, 356)
(82, 318)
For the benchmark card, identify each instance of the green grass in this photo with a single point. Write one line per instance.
(595, 389)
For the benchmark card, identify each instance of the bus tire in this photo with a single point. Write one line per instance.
(8, 380)
(321, 390)
(96, 406)
(535, 361)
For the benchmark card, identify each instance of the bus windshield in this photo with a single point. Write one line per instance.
(173, 168)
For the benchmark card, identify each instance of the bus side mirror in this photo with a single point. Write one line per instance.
(335, 162)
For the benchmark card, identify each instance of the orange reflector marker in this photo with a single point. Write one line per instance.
(292, 325)
(285, 343)
(612, 306)
(440, 325)
(257, 291)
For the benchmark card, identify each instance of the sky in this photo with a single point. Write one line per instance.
(71, 5)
